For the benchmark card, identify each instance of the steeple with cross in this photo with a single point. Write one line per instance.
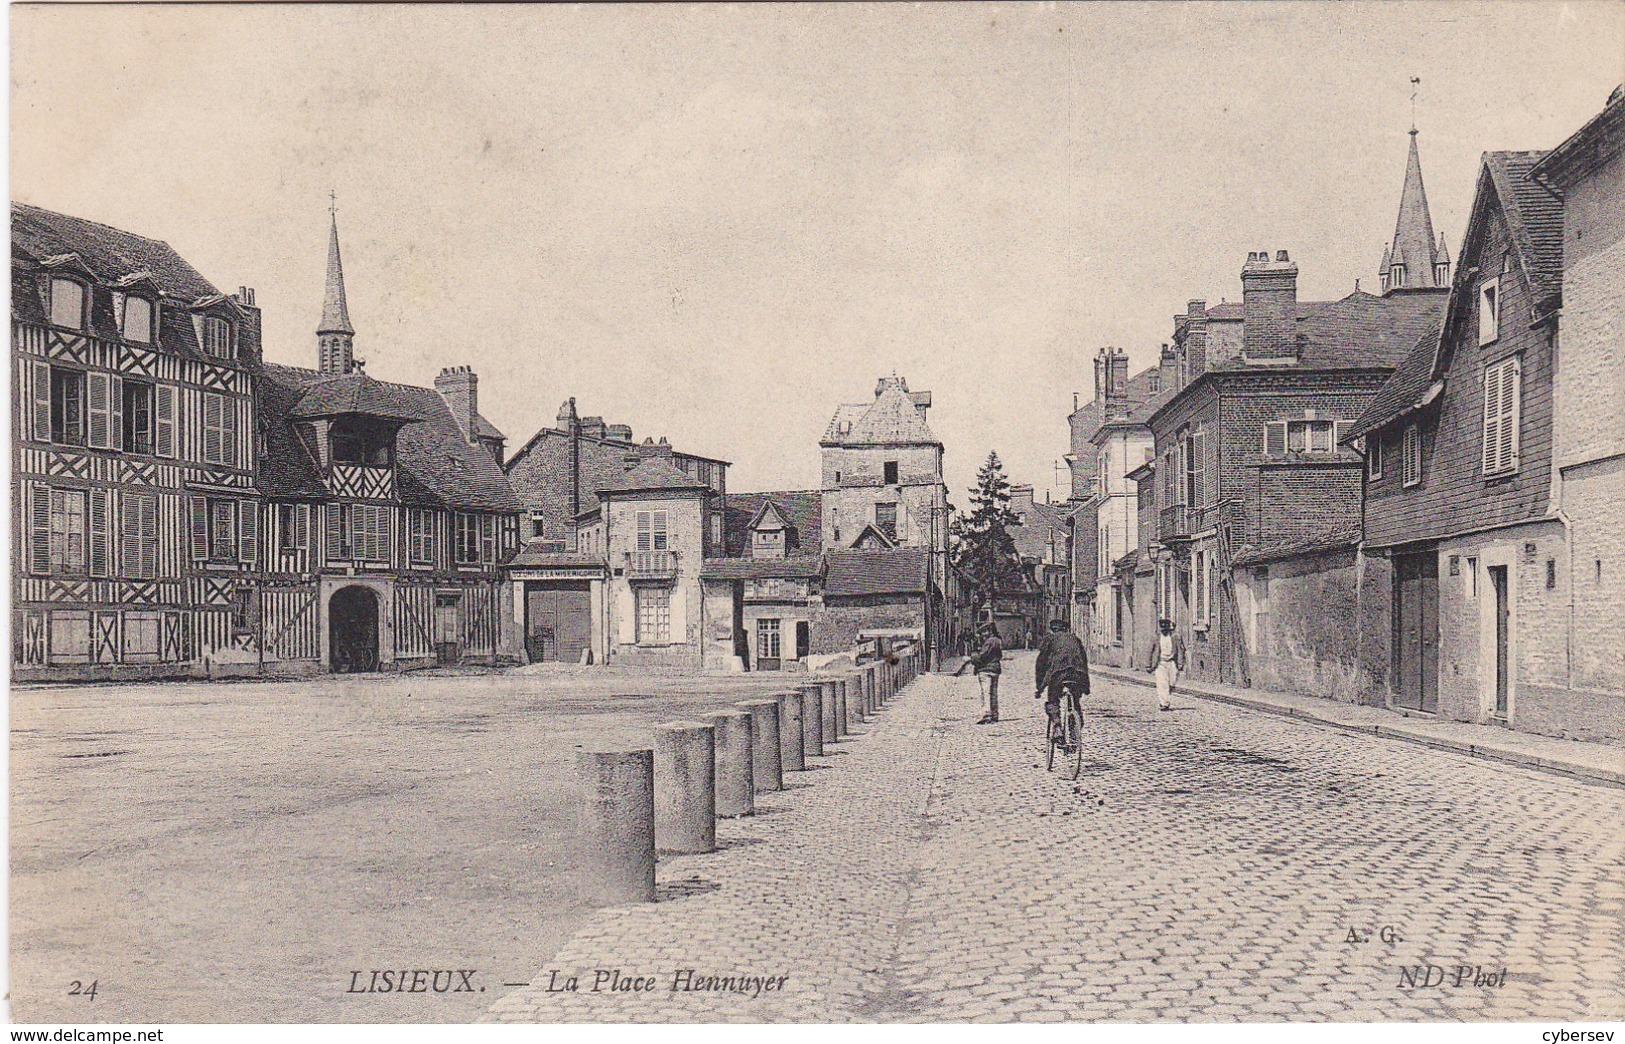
(335, 337)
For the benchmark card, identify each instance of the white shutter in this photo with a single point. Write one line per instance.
(1492, 417)
(42, 402)
(39, 536)
(213, 409)
(98, 409)
(248, 532)
(163, 438)
(1507, 458)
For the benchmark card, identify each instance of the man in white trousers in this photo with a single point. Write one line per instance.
(1167, 660)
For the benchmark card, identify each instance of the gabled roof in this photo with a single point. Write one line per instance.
(435, 465)
(769, 518)
(111, 254)
(802, 510)
(894, 418)
(899, 570)
(652, 475)
(1038, 523)
(870, 538)
(1406, 389)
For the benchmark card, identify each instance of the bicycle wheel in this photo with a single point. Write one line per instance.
(1075, 726)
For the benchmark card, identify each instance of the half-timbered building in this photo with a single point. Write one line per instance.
(135, 540)
(388, 517)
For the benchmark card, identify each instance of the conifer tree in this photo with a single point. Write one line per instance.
(984, 550)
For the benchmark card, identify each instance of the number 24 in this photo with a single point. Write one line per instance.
(85, 990)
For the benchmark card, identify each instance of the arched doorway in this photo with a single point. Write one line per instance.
(352, 630)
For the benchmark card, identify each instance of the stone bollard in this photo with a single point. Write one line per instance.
(735, 753)
(791, 755)
(767, 766)
(870, 706)
(685, 788)
(832, 733)
(812, 720)
(854, 699)
(835, 693)
(618, 825)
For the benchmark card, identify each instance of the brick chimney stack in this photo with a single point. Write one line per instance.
(1269, 307)
(461, 389)
(1021, 497)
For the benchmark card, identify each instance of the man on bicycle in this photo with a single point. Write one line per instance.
(1061, 659)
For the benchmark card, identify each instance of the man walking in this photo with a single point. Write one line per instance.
(1167, 660)
(989, 661)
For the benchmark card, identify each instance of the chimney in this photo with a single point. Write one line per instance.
(1269, 308)
(1021, 497)
(1195, 338)
(593, 427)
(567, 416)
(245, 296)
(1168, 367)
(619, 432)
(461, 389)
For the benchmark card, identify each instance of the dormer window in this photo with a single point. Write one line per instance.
(67, 303)
(768, 543)
(217, 337)
(355, 442)
(135, 324)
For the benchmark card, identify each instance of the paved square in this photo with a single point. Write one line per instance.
(1210, 865)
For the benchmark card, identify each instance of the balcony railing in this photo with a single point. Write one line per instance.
(356, 480)
(1174, 523)
(651, 565)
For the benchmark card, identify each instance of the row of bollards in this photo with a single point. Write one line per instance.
(668, 798)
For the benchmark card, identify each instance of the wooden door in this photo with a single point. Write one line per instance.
(558, 621)
(1416, 639)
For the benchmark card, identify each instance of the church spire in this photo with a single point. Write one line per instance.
(335, 336)
(1416, 258)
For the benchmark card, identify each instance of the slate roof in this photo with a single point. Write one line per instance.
(900, 570)
(1534, 216)
(1403, 390)
(803, 509)
(38, 234)
(1364, 331)
(799, 567)
(1038, 521)
(893, 418)
(435, 465)
(336, 395)
(652, 474)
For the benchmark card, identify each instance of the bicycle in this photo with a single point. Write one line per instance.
(1065, 730)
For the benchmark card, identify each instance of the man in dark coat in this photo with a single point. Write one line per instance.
(989, 661)
(1061, 656)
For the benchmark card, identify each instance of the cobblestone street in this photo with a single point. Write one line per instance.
(1210, 865)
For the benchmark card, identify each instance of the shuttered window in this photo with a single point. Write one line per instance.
(420, 533)
(248, 532)
(468, 537)
(99, 537)
(101, 404)
(1373, 454)
(163, 440)
(652, 530)
(42, 402)
(339, 545)
(219, 429)
(224, 540)
(138, 535)
(370, 524)
(293, 527)
(67, 407)
(1411, 450)
(67, 531)
(200, 529)
(1501, 400)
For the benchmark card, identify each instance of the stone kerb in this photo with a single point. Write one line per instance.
(618, 824)
(735, 785)
(685, 788)
(767, 764)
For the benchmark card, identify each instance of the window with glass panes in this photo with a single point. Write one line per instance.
(652, 534)
(654, 615)
(767, 639)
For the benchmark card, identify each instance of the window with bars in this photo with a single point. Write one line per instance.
(653, 615)
(1411, 451)
(1501, 401)
(219, 429)
(652, 535)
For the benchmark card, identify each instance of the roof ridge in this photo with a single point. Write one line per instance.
(91, 221)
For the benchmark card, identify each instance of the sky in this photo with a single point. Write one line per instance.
(716, 223)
